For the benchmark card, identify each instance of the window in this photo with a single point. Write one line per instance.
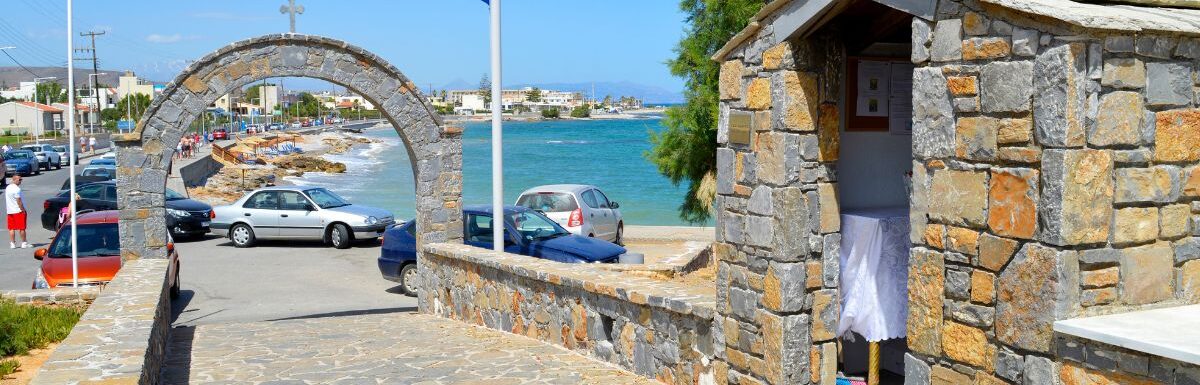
(95, 191)
(326, 199)
(589, 198)
(602, 199)
(548, 202)
(533, 225)
(291, 200)
(268, 200)
(98, 239)
(478, 228)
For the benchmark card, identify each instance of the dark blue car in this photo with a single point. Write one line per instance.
(528, 232)
(21, 162)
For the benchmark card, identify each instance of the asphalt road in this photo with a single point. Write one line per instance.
(17, 266)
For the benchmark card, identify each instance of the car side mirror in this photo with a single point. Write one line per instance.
(310, 207)
(614, 205)
(39, 254)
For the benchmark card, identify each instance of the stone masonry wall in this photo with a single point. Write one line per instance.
(654, 328)
(777, 214)
(1054, 177)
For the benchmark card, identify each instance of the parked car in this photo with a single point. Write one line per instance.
(103, 162)
(527, 232)
(185, 217)
(103, 170)
(111, 154)
(220, 134)
(63, 158)
(581, 209)
(295, 212)
(21, 162)
(46, 155)
(99, 255)
(81, 180)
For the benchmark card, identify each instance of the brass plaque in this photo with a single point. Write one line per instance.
(739, 127)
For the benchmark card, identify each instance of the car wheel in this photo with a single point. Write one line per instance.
(339, 236)
(620, 233)
(58, 166)
(175, 287)
(408, 279)
(241, 235)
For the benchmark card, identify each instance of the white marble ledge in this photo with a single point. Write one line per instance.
(1172, 332)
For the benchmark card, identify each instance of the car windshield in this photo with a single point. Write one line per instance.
(548, 202)
(102, 161)
(18, 155)
(171, 195)
(326, 199)
(533, 225)
(94, 240)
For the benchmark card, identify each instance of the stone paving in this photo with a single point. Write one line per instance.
(395, 348)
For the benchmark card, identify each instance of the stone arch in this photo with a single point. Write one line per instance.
(143, 156)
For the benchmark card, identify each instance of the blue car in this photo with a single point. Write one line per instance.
(103, 162)
(529, 233)
(21, 162)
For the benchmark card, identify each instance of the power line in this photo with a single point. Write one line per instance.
(18, 63)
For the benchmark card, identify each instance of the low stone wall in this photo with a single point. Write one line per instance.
(122, 337)
(654, 328)
(62, 297)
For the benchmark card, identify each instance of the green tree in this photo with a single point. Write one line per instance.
(253, 92)
(550, 113)
(485, 89)
(686, 149)
(582, 111)
(534, 95)
(134, 105)
(607, 101)
(51, 92)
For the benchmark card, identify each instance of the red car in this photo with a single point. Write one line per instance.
(99, 255)
(220, 134)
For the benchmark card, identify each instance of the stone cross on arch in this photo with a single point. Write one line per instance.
(292, 9)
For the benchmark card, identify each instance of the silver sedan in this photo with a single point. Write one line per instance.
(294, 212)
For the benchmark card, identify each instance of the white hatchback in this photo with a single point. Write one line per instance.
(581, 209)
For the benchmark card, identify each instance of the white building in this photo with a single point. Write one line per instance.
(29, 118)
(130, 84)
(472, 102)
(24, 92)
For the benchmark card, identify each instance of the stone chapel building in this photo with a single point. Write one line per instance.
(1046, 152)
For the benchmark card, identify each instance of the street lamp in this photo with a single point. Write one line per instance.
(37, 134)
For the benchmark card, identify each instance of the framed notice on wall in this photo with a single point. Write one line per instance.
(879, 94)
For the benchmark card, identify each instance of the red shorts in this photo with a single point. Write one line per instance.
(16, 221)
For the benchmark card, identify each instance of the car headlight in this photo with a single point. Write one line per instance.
(39, 281)
(372, 220)
(178, 213)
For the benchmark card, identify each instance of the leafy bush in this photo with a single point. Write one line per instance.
(8, 367)
(25, 327)
(550, 113)
(581, 112)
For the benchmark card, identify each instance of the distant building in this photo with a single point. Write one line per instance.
(85, 116)
(472, 102)
(510, 98)
(129, 83)
(351, 100)
(29, 118)
(24, 91)
(108, 99)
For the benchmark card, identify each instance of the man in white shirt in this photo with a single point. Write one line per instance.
(16, 213)
(92, 143)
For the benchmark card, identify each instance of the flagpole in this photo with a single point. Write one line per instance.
(71, 142)
(497, 135)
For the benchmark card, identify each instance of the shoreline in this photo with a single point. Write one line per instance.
(639, 114)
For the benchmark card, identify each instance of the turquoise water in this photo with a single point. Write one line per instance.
(605, 153)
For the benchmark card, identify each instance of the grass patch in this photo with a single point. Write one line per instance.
(26, 327)
(8, 367)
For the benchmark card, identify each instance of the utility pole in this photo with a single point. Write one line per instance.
(292, 9)
(95, 66)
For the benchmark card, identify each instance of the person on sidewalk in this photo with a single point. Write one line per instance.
(16, 213)
(92, 143)
(83, 143)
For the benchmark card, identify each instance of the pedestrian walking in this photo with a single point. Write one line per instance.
(83, 143)
(92, 143)
(15, 206)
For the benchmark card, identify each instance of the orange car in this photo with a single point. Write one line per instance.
(99, 254)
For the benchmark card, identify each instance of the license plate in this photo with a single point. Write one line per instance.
(204, 224)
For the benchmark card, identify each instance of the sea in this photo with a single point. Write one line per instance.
(604, 153)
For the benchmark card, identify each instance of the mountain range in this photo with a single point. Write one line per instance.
(649, 94)
(11, 77)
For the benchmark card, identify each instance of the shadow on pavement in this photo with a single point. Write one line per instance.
(403, 309)
(177, 367)
(181, 303)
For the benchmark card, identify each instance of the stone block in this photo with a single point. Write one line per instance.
(971, 314)
(935, 236)
(795, 97)
(1071, 373)
(916, 372)
(983, 287)
(975, 138)
(825, 315)
(962, 85)
(1058, 108)
(967, 344)
(1096, 297)
(995, 252)
(831, 260)
(1168, 84)
(1129, 73)
(1077, 196)
(1014, 130)
(1119, 120)
(1173, 221)
(1176, 138)
(962, 240)
(1146, 273)
(777, 156)
(1187, 249)
(941, 375)
(962, 197)
(830, 212)
(958, 284)
(1012, 202)
(1189, 282)
(773, 58)
(1038, 287)
(933, 117)
(1006, 86)
(792, 225)
(985, 48)
(1105, 277)
(828, 139)
(1040, 371)
(1136, 157)
(947, 40)
(783, 287)
(1020, 155)
(1024, 41)
(1135, 225)
(1009, 365)
(785, 350)
(729, 83)
(974, 24)
(758, 94)
(966, 104)
(1155, 46)
(921, 34)
(1191, 186)
(926, 296)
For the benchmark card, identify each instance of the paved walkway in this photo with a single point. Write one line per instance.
(394, 348)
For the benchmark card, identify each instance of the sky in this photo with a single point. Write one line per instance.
(433, 42)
